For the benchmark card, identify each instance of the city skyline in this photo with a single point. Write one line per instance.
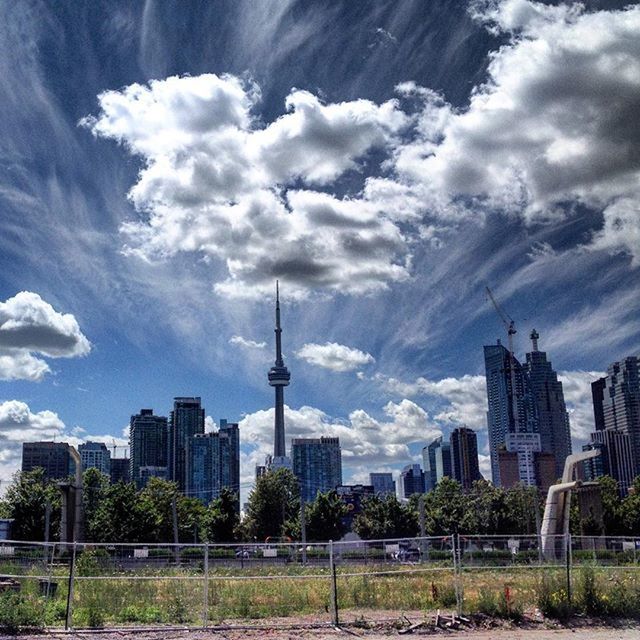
(159, 180)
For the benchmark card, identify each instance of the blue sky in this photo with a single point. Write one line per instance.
(164, 162)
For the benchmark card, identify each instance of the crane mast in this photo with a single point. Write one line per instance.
(510, 326)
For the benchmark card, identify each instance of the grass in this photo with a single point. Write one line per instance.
(154, 594)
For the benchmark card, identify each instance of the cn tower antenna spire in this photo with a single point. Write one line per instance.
(279, 377)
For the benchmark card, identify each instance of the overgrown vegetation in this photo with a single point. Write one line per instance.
(120, 513)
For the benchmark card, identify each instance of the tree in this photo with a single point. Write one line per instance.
(325, 517)
(26, 501)
(447, 509)
(121, 516)
(611, 507)
(220, 520)
(630, 509)
(157, 500)
(274, 505)
(385, 518)
(520, 505)
(94, 485)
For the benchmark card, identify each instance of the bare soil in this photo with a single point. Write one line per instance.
(368, 625)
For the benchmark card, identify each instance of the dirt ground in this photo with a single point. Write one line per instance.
(584, 633)
(479, 629)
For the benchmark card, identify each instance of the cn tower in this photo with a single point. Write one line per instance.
(279, 378)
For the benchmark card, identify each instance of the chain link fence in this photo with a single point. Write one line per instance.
(86, 585)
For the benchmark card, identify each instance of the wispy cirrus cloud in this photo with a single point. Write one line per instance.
(239, 341)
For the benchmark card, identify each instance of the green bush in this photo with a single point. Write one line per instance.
(17, 611)
(552, 599)
(498, 605)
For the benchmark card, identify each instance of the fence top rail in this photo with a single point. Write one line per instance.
(362, 544)
(225, 545)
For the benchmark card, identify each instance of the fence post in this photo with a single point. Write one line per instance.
(72, 575)
(303, 530)
(205, 611)
(457, 554)
(422, 527)
(569, 561)
(334, 586)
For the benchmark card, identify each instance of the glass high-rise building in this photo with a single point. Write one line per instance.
(464, 456)
(511, 407)
(95, 455)
(411, 481)
(317, 463)
(615, 459)
(229, 435)
(187, 420)
(551, 411)
(214, 462)
(120, 470)
(204, 467)
(148, 435)
(383, 483)
(619, 405)
(436, 458)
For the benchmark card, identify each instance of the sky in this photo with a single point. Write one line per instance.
(163, 163)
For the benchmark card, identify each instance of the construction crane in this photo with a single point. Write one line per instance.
(510, 326)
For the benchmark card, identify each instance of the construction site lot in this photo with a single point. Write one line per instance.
(395, 596)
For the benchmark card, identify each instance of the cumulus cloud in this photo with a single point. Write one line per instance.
(555, 122)
(28, 326)
(334, 356)
(215, 181)
(464, 399)
(18, 424)
(247, 344)
(363, 438)
(577, 395)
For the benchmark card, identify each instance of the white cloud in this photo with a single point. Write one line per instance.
(18, 424)
(554, 123)
(577, 395)
(465, 398)
(29, 325)
(247, 344)
(214, 182)
(364, 440)
(334, 356)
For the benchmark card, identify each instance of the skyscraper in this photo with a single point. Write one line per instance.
(436, 458)
(204, 467)
(95, 455)
(148, 446)
(229, 435)
(54, 457)
(187, 419)
(619, 405)
(511, 408)
(317, 463)
(411, 481)
(120, 470)
(464, 456)
(383, 483)
(551, 412)
(615, 459)
(214, 462)
(279, 377)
